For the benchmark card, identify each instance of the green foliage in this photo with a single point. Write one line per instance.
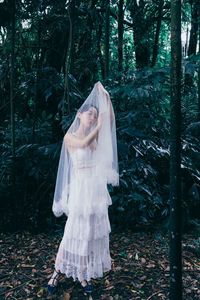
(27, 180)
(143, 145)
(141, 105)
(141, 101)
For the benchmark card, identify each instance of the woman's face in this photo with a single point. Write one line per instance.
(89, 118)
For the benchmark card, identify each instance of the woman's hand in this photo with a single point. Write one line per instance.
(101, 87)
(109, 103)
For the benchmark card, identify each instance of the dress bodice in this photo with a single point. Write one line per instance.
(82, 158)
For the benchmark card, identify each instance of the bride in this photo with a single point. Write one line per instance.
(88, 162)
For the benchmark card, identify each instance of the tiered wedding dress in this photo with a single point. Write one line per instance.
(84, 250)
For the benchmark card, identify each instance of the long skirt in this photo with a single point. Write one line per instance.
(84, 249)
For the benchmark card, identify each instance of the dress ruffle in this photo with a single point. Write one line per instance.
(87, 228)
(88, 196)
(72, 261)
(84, 250)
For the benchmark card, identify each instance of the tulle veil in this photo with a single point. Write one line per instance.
(104, 158)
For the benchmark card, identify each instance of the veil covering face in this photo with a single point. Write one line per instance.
(100, 156)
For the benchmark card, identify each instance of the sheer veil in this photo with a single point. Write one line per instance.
(100, 156)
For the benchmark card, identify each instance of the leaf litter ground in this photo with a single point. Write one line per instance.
(140, 267)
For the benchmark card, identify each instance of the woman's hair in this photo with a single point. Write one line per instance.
(86, 107)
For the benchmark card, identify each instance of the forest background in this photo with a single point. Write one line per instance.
(52, 53)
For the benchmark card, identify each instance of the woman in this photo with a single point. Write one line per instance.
(88, 162)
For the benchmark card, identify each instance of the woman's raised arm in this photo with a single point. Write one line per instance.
(74, 141)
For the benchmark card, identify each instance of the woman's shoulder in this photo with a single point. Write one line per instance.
(68, 135)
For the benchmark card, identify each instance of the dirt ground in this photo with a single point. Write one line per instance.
(140, 267)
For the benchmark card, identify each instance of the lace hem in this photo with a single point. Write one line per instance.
(88, 261)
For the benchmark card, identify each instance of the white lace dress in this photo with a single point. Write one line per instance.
(84, 249)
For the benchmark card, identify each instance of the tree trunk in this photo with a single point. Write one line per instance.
(36, 102)
(199, 64)
(12, 89)
(107, 39)
(175, 253)
(193, 40)
(194, 28)
(120, 34)
(98, 37)
(67, 66)
(142, 51)
(158, 27)
(186, 42)
(72, 56)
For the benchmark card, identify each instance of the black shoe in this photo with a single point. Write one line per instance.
(88, 289)
(53, 286)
